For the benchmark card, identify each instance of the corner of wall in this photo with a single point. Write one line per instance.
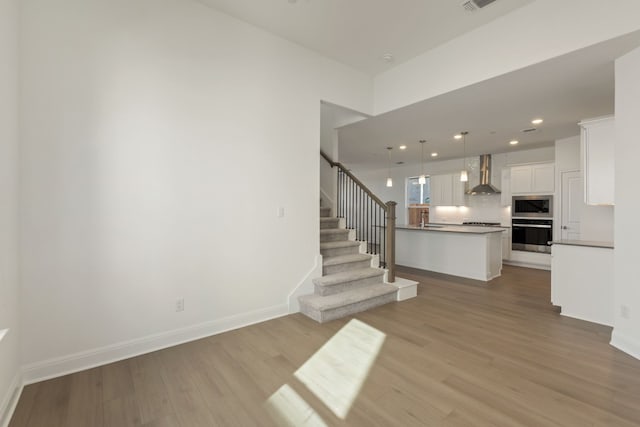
(10, 401)
(305, 286)
(625, 343)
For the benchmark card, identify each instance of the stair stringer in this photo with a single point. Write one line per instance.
(305, 286)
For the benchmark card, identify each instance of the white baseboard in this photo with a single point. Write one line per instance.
(60, 366)
(579, 317)
(527, 265)
(540, 261)
(305, 286)
(624, 343)
(10, 400)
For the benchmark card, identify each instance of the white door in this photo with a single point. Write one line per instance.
(572, 197)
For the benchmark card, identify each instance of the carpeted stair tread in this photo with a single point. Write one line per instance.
(345, 259)
(348, 276)
(339, 244)
(328, 219)
(342, 299)
(334, 231)
(329, 222)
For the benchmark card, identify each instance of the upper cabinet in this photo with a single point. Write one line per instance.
(597, 149)
(458, 191)
(533, 179)
(505, 195)
(447, 190)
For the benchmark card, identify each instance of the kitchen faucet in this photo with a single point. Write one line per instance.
(422, 223)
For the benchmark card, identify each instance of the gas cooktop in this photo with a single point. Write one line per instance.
(482, 224)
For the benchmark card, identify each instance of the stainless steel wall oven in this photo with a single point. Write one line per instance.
(532, 235)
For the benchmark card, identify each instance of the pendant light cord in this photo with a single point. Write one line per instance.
(422, 156)
(464, 150)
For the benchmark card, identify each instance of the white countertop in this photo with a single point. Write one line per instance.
(453, 228)
(588, 243)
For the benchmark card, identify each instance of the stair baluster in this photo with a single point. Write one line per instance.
(373, 220)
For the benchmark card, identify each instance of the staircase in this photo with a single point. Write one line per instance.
(349, 284)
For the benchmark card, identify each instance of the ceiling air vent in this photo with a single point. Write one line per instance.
(529, 130)
(473, 5)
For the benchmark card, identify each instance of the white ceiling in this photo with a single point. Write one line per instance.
(562, 91)
(359, 32)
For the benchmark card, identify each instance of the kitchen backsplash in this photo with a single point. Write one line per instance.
(480, 208)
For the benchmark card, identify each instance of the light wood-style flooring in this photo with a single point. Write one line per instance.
(460, 354)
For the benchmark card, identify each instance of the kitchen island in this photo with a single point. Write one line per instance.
(464, 251)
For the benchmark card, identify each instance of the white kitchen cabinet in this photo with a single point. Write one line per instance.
(520, 179)
(458, 191)
(505, 195)
(506, 244)
(543, 178)
(530, 259)
(441, 186)
(533, 179)
(597, 149)
(581, 278)
(447, 190)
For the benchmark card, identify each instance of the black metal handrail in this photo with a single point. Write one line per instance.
(373, 220)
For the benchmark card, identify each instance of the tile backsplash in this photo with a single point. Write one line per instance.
(479, 208)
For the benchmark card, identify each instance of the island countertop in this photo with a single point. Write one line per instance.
(452, 228)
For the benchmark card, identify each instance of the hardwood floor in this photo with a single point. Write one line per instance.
(460, 354)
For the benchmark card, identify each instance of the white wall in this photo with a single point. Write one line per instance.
(9, 291)
(160, 139)
(332, 117)
(596, 222)
(478, 208)
(626, 334)
(539, 31)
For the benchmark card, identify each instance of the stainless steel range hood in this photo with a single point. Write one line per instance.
(485, 187)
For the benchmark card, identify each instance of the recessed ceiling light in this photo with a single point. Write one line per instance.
(434, 154)
(514, 142)
(387, 57)
(458, 136)
(403, 147)
(536, 121)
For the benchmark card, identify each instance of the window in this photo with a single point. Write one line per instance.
(418, 194)
(418, 199)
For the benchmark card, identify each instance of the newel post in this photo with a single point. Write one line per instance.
(390, 260)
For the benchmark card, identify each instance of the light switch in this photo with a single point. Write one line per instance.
(280, 212)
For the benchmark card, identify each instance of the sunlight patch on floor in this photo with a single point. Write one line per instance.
(288, 409)
(335, 373)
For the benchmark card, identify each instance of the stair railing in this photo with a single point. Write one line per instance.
(373, 220)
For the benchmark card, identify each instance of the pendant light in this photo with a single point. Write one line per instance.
(464, 176)
(423, 178)
(389, 180)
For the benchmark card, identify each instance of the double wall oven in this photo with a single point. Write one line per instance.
(532, 223)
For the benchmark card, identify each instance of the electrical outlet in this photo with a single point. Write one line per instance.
(624, 311)
(180, 304)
